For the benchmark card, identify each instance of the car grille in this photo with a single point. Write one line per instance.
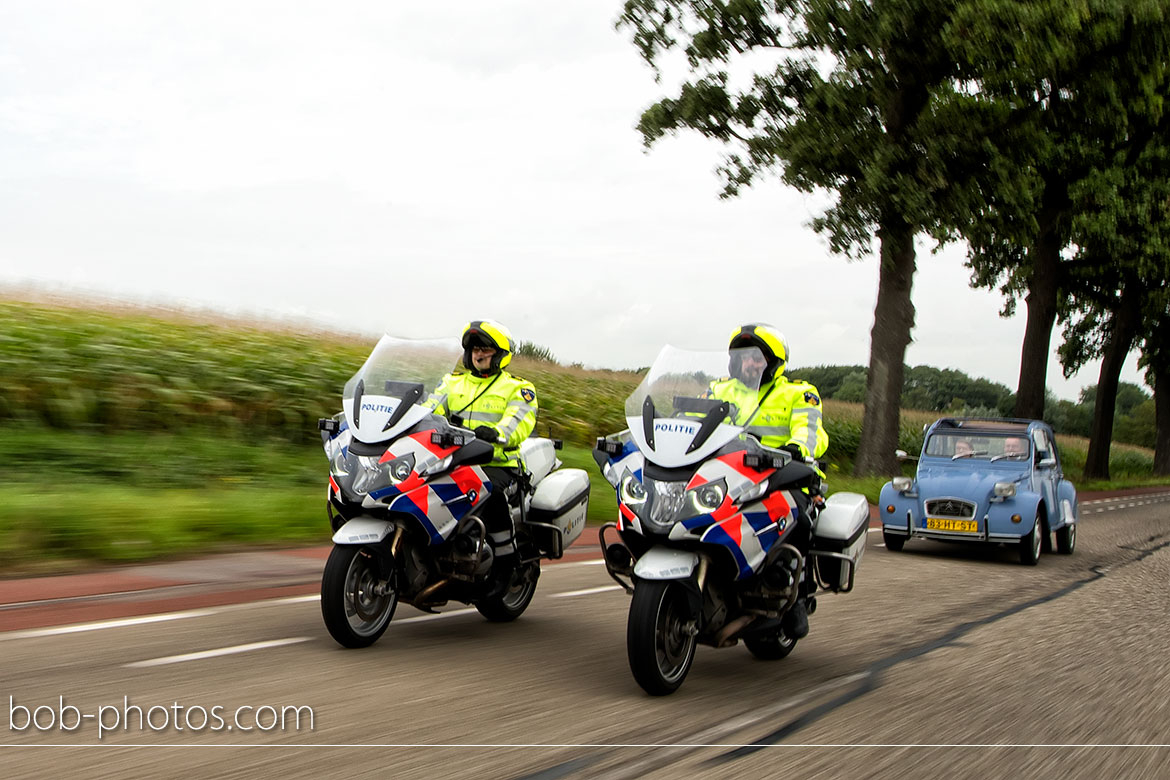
(950, 507)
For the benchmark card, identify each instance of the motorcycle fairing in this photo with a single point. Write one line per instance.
(750, 534)
(439, 504)
(376, 411)
(673, 438)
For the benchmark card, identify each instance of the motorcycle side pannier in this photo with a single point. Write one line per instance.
(558, 509)
(839, 538)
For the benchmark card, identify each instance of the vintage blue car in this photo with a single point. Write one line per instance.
(984, 480)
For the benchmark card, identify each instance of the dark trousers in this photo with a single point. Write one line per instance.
(495, 514)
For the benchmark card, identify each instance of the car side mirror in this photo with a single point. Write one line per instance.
(1047, 463)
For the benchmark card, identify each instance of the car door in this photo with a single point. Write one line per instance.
(1047, 477)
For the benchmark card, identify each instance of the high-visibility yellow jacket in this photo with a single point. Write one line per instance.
(782, 412)
(501, 401)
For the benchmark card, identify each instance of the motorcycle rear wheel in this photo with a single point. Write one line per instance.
(511, 604)
(355, 614)
(771, 647)
(660, 636)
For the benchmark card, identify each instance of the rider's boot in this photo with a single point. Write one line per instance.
(796, 620)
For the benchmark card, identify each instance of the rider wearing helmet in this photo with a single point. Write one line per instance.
(501, 409)
(783, 414)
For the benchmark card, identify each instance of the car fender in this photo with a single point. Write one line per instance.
(902, 505)
(999, 514)
(1066, 496)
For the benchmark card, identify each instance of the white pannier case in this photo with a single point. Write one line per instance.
(559, 506)
(838, 541)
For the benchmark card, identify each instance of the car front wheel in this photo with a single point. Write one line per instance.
(1030, 544)
(1066, 539)
(893, 542)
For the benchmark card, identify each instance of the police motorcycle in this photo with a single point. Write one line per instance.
(405, 495)
(705, 517)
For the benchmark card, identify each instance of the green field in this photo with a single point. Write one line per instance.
(135, 435)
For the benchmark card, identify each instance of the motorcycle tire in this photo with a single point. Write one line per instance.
(772, 647)
(510, 604)
(660, 636)
(353, 613)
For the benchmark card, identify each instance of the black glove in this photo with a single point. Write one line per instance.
(794, 450)
(487, 433)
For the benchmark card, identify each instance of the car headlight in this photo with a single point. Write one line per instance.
(1005, 489)
(705, 499)
(902, 484)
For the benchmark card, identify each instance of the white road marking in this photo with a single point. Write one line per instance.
(586, 592)
(434, 616)
(178, 659)
(98, 626)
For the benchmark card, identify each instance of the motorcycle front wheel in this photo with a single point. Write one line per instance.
(355, 609)
(660, 636)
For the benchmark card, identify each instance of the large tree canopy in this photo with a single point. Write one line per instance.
(855, 99)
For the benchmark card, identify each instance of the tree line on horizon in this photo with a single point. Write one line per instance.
(1035, 132)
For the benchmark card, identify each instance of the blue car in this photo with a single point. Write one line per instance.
(984, 480)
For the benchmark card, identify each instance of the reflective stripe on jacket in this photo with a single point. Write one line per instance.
(501, 401)
(781, 413)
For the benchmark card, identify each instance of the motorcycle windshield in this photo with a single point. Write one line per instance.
(387, 394)
(691, 403)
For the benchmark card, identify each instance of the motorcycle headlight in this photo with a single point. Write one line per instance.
(338, 466)
(666, 503)
(633, 493)
(705, 499)
(401, 468)
(369, 475)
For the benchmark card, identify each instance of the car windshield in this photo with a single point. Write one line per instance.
(981, 445)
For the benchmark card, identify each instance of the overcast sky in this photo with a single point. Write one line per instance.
(390, 167)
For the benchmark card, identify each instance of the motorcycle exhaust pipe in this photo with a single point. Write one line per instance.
(726, 635)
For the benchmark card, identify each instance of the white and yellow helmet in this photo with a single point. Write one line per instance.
(769, 341)
(487, 333)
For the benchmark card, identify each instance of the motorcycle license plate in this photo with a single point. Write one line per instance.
(942, 524)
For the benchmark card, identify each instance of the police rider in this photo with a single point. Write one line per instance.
(783, 414)
(501, 410)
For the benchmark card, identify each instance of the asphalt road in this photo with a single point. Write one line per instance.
(945, 661)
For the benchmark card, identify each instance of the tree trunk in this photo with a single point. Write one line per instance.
(1162, 420)
(893, 319)
(1043, 289)
(1117, 347)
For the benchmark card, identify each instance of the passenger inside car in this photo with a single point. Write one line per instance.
(1015, 447)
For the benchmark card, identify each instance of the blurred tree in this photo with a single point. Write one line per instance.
(847, 97)
(1120, 292)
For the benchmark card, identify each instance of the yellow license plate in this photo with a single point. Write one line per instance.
(941, 524)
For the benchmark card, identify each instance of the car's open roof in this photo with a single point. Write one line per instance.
(989, 424)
